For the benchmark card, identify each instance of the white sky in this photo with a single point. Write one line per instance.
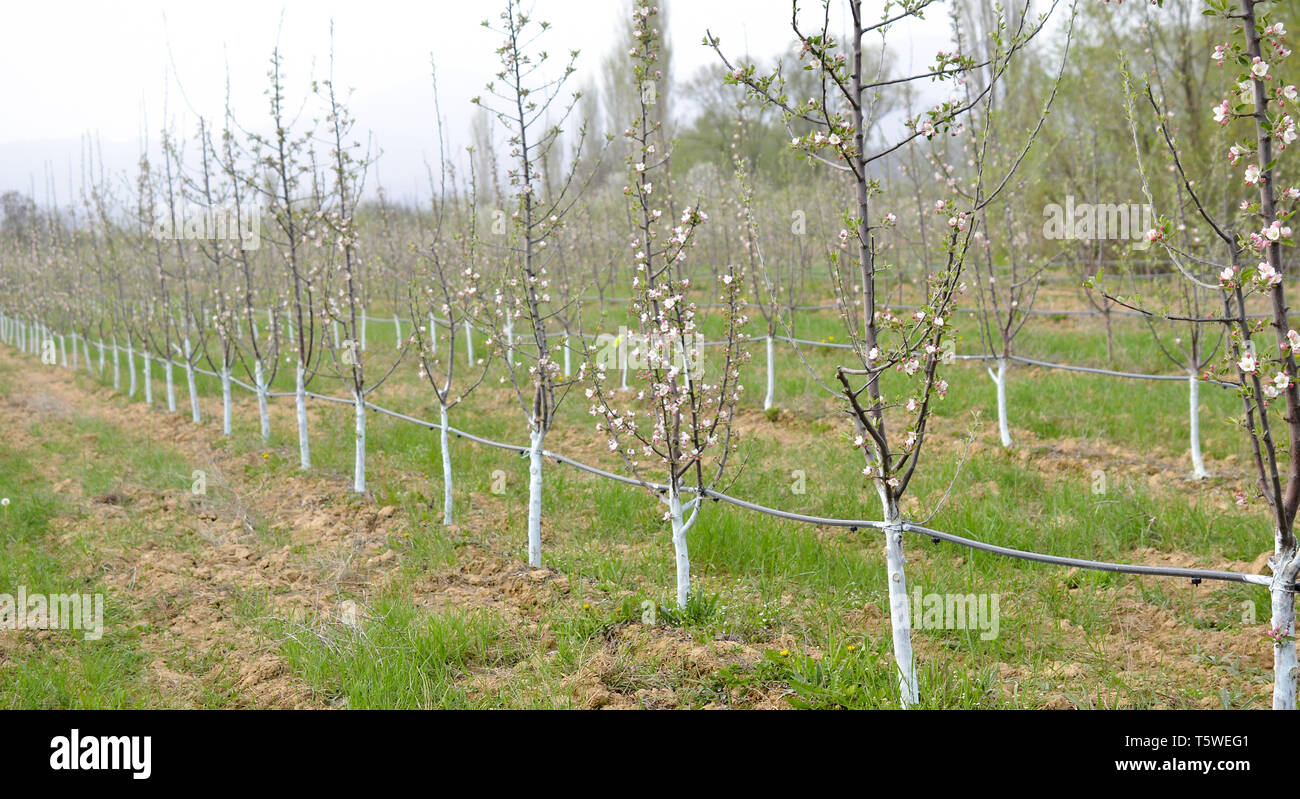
(73, 68)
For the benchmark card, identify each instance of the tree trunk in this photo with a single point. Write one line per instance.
(680, 552)
(171, 385)
(259, 377)
(899, 617)
(446, 469)
(189, 380)
(225, 400)
(536, 438)
(130, 365)
(359, 461)
(1285, 564)
(300, 404)
(1000, 380)
(1194, 394)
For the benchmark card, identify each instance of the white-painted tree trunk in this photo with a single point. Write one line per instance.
(681, 555)
(171, 385)
(263, 413)
(1285, 565)
(63, 350)
(1000, 380)
(433, 336)
(899, 617)
(130, 365)
(225, 400)
(469, 344)
(1194, 395)
(363, 329)
(190, 384)
(148, 378)
(101, 358)
(75, 357)
(397, 327)
(117, 367)
(771, 376)
(536, 437)
(300, 404)
(85, 350)
(567, 364)
(359, 460)
(444, 439)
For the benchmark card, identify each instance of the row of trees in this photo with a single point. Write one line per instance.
(253, 255)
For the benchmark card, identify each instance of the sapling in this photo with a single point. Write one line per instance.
(289, 207)
(450, 291)
(839, 114)
(343, 308)
(532, 110)
(1258, 110)
(688, 434)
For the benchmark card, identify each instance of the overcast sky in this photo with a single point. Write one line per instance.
(77, 68)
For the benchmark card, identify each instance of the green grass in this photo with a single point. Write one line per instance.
(757, 578)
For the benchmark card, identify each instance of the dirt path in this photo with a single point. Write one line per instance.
(287, 541)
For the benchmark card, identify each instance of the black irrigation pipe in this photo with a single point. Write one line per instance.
(1195, 575)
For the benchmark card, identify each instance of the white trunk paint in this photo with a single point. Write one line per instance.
(148, 378)
(85, 350)
(130, 365)
(536, 437)
(899, 617)
(259, 378)
(1284, 565)
(1194, 394)
(117, 367)
(63, 350)
(336, 334)
(681, 555)
(101, 358)
(771, 376)
(300, 403)
(189, 379)
(171, 385)
(1000, 380)
(363, 329)
(225, 399)
(433, 336)
(469, 344)
(567, 365)
(446, 469)
(359, 461)
(397, 326)
(75, 357)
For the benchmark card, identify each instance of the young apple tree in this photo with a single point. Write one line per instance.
(681, 417)
(1259, 111)
(889, 431)
(531, 108)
